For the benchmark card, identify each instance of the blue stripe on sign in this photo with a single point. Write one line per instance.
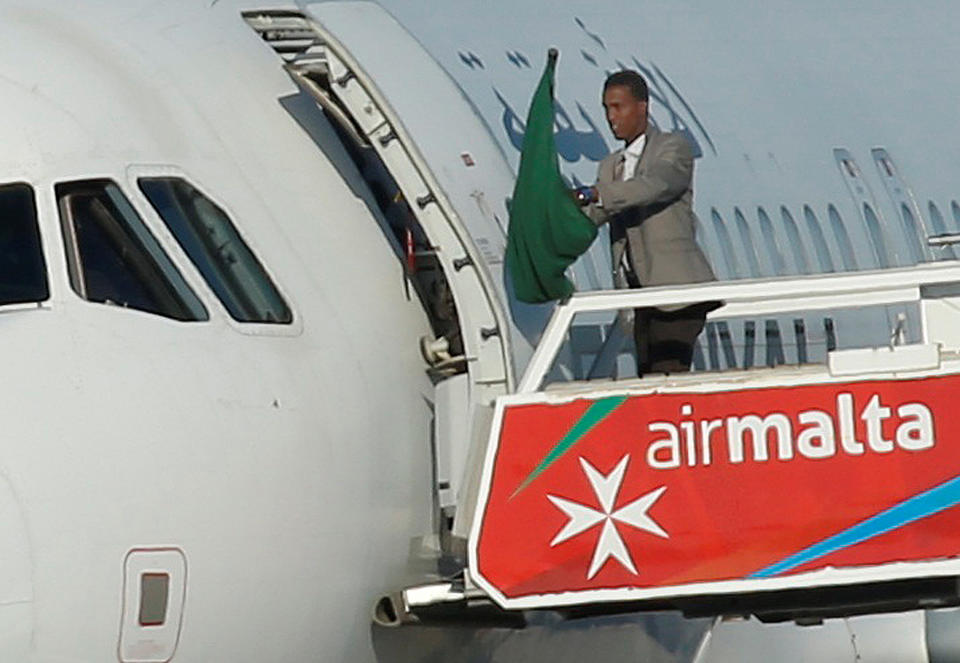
(919, 506)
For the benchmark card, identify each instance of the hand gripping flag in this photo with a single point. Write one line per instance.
(548, 231)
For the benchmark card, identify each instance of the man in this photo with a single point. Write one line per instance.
(644, 191)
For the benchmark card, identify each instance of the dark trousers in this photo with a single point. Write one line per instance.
(665, 339)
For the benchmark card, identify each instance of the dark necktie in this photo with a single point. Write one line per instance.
(618, 168)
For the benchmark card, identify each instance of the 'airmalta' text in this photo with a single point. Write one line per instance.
(812, 434)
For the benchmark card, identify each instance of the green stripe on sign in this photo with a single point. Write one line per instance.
(593, 416)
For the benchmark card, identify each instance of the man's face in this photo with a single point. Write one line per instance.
(626, 115)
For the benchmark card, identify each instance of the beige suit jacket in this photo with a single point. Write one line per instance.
(651, 215)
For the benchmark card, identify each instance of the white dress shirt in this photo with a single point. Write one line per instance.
(631, 156)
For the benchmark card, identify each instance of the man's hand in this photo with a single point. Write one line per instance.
(585, 195)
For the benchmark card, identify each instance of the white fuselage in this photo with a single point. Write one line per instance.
(289, 463)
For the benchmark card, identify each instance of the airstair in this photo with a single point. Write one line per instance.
(796, 492)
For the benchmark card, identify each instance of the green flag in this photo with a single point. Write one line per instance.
(548, 231)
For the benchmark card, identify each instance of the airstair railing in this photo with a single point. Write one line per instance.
(755, 297)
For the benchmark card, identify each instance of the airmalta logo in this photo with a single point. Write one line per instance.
(625, 496)
(809, 433)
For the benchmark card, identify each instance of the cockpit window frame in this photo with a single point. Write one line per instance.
(142, 237)
(210, 190)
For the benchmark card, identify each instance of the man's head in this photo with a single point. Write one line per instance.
(625, 99)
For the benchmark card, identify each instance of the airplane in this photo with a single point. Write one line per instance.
(255, 311)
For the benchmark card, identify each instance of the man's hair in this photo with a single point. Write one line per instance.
(630, 80)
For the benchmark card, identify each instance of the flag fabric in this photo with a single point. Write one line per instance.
(548, 231)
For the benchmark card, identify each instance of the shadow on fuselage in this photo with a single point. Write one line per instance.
(650, 637)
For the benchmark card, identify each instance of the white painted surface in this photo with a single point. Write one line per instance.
(452, 436)
(918, 357)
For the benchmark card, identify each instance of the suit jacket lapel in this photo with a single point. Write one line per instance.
(607, 165)
(618, 240)
(649, 146)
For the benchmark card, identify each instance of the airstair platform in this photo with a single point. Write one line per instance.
(793, 491)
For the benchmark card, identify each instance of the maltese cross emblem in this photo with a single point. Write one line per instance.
(583, 517)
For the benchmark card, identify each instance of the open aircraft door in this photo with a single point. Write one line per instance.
(386, 94)
(441, 183)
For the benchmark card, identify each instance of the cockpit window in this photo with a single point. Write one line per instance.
(23, 272)
(113, 258)
(211, 240)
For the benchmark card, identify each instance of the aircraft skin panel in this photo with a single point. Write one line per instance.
(16, 585)
(942, 637)
(856, 639)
